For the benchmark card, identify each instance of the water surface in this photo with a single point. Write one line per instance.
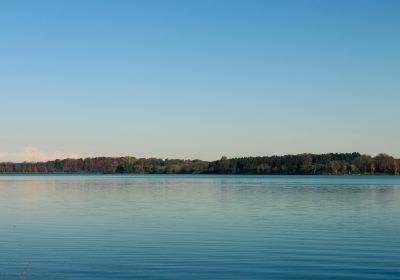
(199, 227)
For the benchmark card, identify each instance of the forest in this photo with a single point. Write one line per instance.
(307, 164)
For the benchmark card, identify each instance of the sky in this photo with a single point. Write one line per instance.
(198, 79)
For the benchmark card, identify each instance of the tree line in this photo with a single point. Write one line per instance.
(307, 164)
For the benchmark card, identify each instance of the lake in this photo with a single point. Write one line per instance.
(199, 227)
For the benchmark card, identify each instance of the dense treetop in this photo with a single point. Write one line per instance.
(332, 163)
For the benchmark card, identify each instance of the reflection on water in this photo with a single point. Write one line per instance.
(199, 227)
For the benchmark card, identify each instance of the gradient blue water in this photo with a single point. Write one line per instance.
(199, 227)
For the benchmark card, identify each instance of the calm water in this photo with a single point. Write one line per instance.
(199, 227)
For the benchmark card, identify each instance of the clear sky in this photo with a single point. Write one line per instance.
(198, 79)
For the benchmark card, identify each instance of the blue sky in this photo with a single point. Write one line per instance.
(198, 79)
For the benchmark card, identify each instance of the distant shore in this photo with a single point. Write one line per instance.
(301, 164)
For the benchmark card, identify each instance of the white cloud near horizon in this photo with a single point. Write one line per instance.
(34, 154)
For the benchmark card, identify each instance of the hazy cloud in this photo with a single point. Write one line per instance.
(29, 153)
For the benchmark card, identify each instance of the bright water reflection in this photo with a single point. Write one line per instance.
(199, 227)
